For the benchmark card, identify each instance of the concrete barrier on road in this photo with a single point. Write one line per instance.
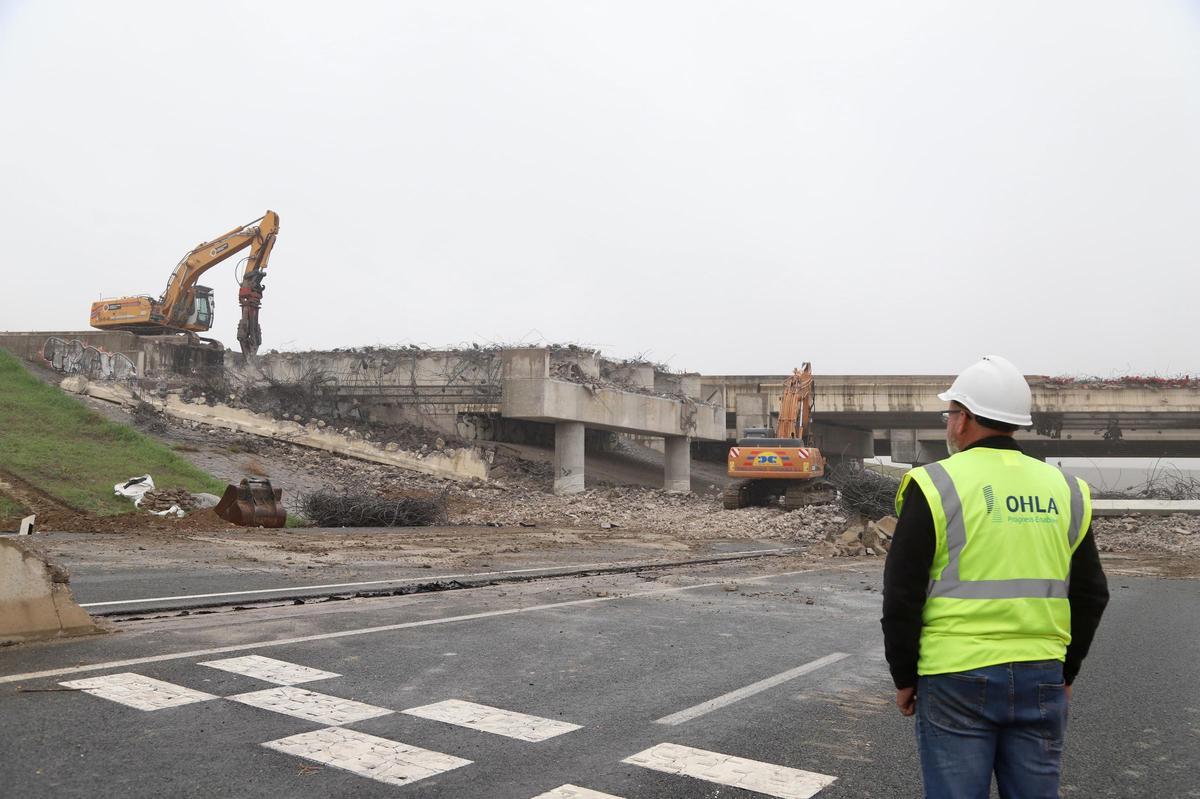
(1144, 507)
(35, 599)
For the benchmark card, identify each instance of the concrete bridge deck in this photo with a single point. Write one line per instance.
(1117, 418)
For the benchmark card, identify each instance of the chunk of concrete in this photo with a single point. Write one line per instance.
(35, 599)
(111, 392)
(76, 384)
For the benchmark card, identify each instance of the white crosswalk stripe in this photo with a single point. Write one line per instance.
(136, 691)
(569, 791)
(367, 755)
(737, 772)
(267, 669)
(493, 720)
(305, 704)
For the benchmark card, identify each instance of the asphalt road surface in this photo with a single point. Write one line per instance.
(744, 679)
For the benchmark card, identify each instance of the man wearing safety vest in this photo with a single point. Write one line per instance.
(992, 593)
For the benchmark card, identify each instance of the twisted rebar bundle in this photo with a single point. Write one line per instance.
(863, 491)
(329, 509)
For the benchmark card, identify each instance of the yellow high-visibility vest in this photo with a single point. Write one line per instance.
(1007, 526)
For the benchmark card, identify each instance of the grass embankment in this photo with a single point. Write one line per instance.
(55, 443)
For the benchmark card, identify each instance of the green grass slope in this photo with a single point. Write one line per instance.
(57, 444)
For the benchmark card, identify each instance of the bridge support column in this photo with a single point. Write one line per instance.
(568, 457)
(677, 476)
(753, 410)
(838, 442)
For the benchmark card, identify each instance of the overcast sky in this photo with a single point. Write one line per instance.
(886, 187)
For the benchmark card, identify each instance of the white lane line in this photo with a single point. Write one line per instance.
(424, 579)
(569, 791)
(738, 772)
(494, 720)
(136, 691)
(303, 639)
(267, 669)
(367, 755)
(750, 690)
(305, 704)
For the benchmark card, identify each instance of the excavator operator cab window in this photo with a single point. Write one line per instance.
(202, 312)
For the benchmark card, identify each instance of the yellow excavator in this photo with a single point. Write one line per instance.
(773, 463)
(186, 307)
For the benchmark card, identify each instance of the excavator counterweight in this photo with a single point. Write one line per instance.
(186, 307)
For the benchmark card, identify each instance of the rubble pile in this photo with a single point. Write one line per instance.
(861, 537)
(336, 509)
(635, 508)
(1177, 534)
(161, 499)
(863, 491)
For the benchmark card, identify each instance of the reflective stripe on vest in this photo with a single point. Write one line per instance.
(950, 585)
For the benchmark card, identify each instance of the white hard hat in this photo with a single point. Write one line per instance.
(994, 389)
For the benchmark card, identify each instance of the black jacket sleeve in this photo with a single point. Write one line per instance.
(1088, 595)
(905, 583)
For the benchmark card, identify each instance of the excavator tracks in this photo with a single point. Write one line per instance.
(764, 493)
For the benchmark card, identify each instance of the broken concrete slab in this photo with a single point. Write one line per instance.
(457, 464)
(35, 598)
(76, 384)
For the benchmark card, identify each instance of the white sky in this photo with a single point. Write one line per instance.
(884, 187)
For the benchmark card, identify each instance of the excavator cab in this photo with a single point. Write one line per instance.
(201, 317)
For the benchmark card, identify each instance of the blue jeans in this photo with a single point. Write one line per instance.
(1008, 719)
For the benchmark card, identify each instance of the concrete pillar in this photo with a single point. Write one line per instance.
(568, 457)
(678, 464)
(753, 410)
(904, 445)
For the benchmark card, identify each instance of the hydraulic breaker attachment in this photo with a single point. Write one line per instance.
(249, 334)
(254, 503)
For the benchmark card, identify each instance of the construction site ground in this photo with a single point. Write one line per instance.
(623, 640)
(738, 680)
(510, 522)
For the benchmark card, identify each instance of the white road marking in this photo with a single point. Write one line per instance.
(367, 755)
(303, 639)
(136, 691)
(427, 579)
(305, 704)
(738, 772)
(492, 719)
(266, 669)
(750, 690)
(569, 791)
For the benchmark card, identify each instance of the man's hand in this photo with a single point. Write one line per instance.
(906, 700)
(1068, 693)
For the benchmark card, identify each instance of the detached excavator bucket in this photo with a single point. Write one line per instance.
(254, 503)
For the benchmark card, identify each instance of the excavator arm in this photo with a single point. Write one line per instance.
(259, 237)
(250, 292)
(796, 404)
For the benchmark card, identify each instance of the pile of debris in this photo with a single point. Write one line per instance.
(160, 499)
(861, 537)
(1122, 381)
(861, 490)
(636, 508)
(1177, 534)
(335, 509)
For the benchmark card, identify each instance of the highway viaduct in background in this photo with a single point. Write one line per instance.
(899, 415)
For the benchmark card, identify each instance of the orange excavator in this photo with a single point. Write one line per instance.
(770, 464)
(185, 307)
